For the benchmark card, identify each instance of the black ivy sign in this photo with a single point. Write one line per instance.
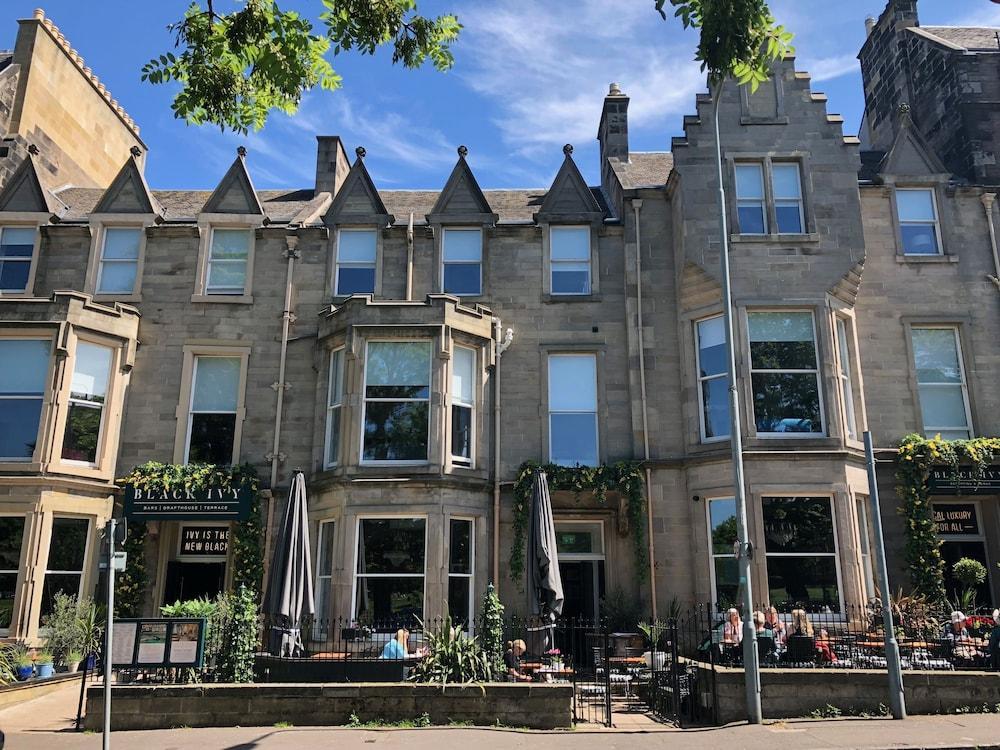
(943, 480)
(187, 504)
(204, 541)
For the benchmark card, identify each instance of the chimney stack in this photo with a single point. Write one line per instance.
(332, 164)
(612, 133)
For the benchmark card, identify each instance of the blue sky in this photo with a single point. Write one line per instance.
(529, 77)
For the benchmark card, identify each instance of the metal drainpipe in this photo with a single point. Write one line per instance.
(287, 318)
(988, 200)
(409, 259)
(636, 206)
(501, 347)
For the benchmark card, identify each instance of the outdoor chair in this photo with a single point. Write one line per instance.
(801, 650)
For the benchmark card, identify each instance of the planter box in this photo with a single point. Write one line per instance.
(18, 692)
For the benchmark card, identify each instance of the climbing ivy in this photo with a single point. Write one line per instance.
(624, 477)
(916, 456)
(130, 584)
(248, 536)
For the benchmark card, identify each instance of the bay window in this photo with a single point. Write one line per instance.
(67, 555)
(11, 536)
(944, 398)
(461, 544)
(228, 256)
(334, 403)
(22, 389)
(389, 577)
(212, 413)
(573, 409)
(397, 401)
(17, 251)
(722, 536)
(569, 260)
(844, 375)
(88, 394)
(324, 574)
(801, 553)
(916, 211)
(462, 264)
(119, 261)
(713, 378)
(784, 373)
(356, 251)
(463, 405)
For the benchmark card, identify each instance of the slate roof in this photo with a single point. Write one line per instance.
(644, 169)
(281, 206)
(972, 38)
(5, 58)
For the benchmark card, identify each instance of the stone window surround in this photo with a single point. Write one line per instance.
(23, 219)
(937, 184)
(183, 410)
(98, 224)
(599, 351)
(695, 320)
(209, 222)
(353, 571)
(437, 229)
(766, 159)
(961, 326)
(334, 246)
(595, 264)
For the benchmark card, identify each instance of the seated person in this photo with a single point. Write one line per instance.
(512, 660)
(395, 648)
(956, 639)
(758, 622)
(773, 623)
(803, 633)
(732, 632)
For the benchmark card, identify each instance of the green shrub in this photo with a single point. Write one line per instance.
(453, 657)
(74, 626)
(238, 616)
(491, 633)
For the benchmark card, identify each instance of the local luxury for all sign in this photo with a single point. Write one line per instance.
(956, 518)
(942, 480)
(185, 504)
(204, 541)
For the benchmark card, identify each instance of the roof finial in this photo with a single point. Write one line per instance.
(463, 151)
(241, 151)
(568, 149)
(33, 149)
(360, 151)
(135, 151)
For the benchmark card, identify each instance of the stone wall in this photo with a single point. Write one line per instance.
(163, 707)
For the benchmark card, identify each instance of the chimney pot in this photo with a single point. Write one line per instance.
(615, 90)
(869, 25)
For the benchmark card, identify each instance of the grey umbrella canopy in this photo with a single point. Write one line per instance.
(544, 583)
(290, 584)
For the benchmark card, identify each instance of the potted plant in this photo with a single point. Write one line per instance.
(971, 574)
(72, 661)
(654, 658)
(88, 631)
(44, 664)
(555, 658)
(24, 666)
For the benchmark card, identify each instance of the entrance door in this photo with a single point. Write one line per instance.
(583, 587)
(193, 580)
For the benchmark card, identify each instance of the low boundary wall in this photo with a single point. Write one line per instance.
(302, 704)
(789, 693)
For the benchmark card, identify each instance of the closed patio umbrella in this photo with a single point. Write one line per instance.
(544, 583)
(290, 585)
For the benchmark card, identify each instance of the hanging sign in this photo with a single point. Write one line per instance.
(943, 480)
(185, 504)
(204, 541)
(956, 518)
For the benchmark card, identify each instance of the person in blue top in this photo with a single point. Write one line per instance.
(396, 648)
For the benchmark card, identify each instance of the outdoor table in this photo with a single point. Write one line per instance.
(628, 660)
(545, 673)
(331, 655)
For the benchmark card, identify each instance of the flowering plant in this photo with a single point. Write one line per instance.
(553, 652)
(979, 625)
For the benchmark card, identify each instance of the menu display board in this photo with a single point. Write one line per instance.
(158, 642)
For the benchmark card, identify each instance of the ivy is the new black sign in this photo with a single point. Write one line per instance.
(187, 504)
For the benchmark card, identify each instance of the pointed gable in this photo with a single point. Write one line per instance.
(461, 200)
(128, 193)
(569, 198)
(235, 194)
(358, 200)
(910, 155)
(25, 192)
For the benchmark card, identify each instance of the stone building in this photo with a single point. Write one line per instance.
(410, 350)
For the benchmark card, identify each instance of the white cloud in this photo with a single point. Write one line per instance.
(827, 68)
(985, 16)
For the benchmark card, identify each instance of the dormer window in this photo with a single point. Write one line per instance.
(570, 260)
(462, 271)
(17, 250)
(119, 263)
(227, 261)
(918, 221)
(356, 255)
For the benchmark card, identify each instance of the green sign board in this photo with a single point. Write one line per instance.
(158, 642)
(185, 504)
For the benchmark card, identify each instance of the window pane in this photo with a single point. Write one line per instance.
(17, 242)
(751, 218)
(336, 377)
(789, 218)
(786, 181)
(230, 244)
(395, 431)
(333, 437)
(117, 277)
(459, 597)
(463, 244)
(919, 239)
(27, 376)
(723, 520)
(567, 279)
(579, 538)
(356, 246)
(942, 406)
(324, 563)
(461, 432)
(573, 383)
(66, 583)
(936, 355)
(355, 280)
(122, 243)
(91, 372)
(749, 181)
(915, 205)
(574, 439)
(212, 438)
(727, 582)
(83, 432)
(19, 420)
(68, 544)
(570, 243)
(798, 524)
(8, 588)
(712, 346)
(782, 341)
(11, 534)
(14, 275)
(460, 548)
(715, 401)
(398, 369)
(784, 402)
(390, 603)
(462, 279)
(463, 374)
(216, 384)
(807, 582)
(391, 545)
(227, 277)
